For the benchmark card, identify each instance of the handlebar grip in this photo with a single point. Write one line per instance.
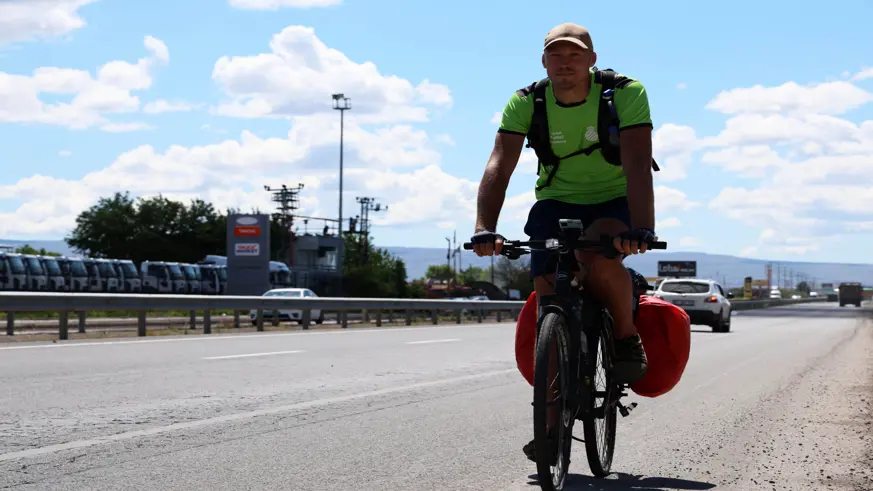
(657, 245)
(468, 246)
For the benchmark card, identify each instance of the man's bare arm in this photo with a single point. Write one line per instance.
(636, 160)
(498, 171)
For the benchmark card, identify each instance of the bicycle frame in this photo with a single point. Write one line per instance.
(582, 312)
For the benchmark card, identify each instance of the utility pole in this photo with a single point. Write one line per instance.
(367, 205)
(449, 253)
(342, 104)
(287, 203)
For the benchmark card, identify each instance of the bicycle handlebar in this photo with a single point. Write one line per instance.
(514, 248)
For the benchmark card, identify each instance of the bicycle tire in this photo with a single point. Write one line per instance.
(599, 449)
(553, 329)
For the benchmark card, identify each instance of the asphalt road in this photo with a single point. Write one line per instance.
(781, 402)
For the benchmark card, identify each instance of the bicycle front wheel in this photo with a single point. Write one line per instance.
(552, 407)
(599, 417)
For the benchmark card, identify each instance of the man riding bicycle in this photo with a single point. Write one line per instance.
(609, 189)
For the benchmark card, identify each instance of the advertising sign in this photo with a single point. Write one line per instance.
(747, 288)
(245, 249)
(677, 269)
(248, 254)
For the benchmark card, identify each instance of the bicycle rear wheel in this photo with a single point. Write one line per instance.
(551, 390)
(599, 417)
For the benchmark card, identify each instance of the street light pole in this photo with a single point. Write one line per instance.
(341, 103)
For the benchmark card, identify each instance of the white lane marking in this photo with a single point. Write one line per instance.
(35, 452)
(248, 355)
(220, 337)
(430, 341)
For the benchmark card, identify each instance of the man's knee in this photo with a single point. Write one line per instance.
(600, 227)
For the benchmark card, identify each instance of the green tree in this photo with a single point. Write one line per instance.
(803, 287)
(514, 275)
(28, 249)
(439, 272)
(121, 227)
(475, 273)
(372, 272)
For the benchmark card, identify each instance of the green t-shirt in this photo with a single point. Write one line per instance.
(583, 179)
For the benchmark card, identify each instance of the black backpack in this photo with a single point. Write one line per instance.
(607, 124)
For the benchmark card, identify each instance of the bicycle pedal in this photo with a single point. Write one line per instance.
(626, 410)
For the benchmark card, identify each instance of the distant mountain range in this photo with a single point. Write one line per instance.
(729, 269)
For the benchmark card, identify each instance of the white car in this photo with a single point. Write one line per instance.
(289, 314)
(704, 301)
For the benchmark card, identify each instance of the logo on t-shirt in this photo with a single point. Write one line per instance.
(557, 138)
(591, 134)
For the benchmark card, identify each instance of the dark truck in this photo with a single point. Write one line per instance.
(850, 293)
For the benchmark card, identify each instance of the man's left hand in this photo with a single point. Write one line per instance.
(634, 241)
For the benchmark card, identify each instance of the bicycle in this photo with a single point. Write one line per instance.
(572, 313)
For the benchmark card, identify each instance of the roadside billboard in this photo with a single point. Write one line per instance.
(677, 269)
(248, 254)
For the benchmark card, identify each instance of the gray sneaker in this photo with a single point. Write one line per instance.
(530, 450)
(630, 363)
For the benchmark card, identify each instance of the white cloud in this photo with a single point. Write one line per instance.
(158, 49)
(278, 4)
(813, 168)
(863, 74)
(747, 161)
(497, 117)
(682, 86)
(397, 165)
(65, 153)
(673, 147)
(161, 106)
(667, 223)
(792, 99)
(527, 162)
(669, 200)
(445, 139)
(300, 74)
(25, 20)
(90, 98)
(436, 94)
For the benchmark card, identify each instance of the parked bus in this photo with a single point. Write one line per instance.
(155, 277)
(55, 276)
(13, 274)
(128, 276)
(37, 279)
(75, 274)
(192, 277)
(210, 283)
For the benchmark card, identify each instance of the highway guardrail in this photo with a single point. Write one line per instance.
(267, 308)
(740, 305)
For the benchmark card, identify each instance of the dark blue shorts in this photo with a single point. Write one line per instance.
(542, 223)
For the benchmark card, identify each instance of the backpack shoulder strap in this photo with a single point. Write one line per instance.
(608, 122)
(538, 137)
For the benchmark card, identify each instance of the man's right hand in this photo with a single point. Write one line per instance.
(486, 243)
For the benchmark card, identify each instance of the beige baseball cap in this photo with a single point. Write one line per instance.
(573, 33)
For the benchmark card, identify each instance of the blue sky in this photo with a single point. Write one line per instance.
(782, 171)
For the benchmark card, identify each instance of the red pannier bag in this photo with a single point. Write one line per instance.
(664, 328)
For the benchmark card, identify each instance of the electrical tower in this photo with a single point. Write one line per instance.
(367, 205)
(288, 202)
